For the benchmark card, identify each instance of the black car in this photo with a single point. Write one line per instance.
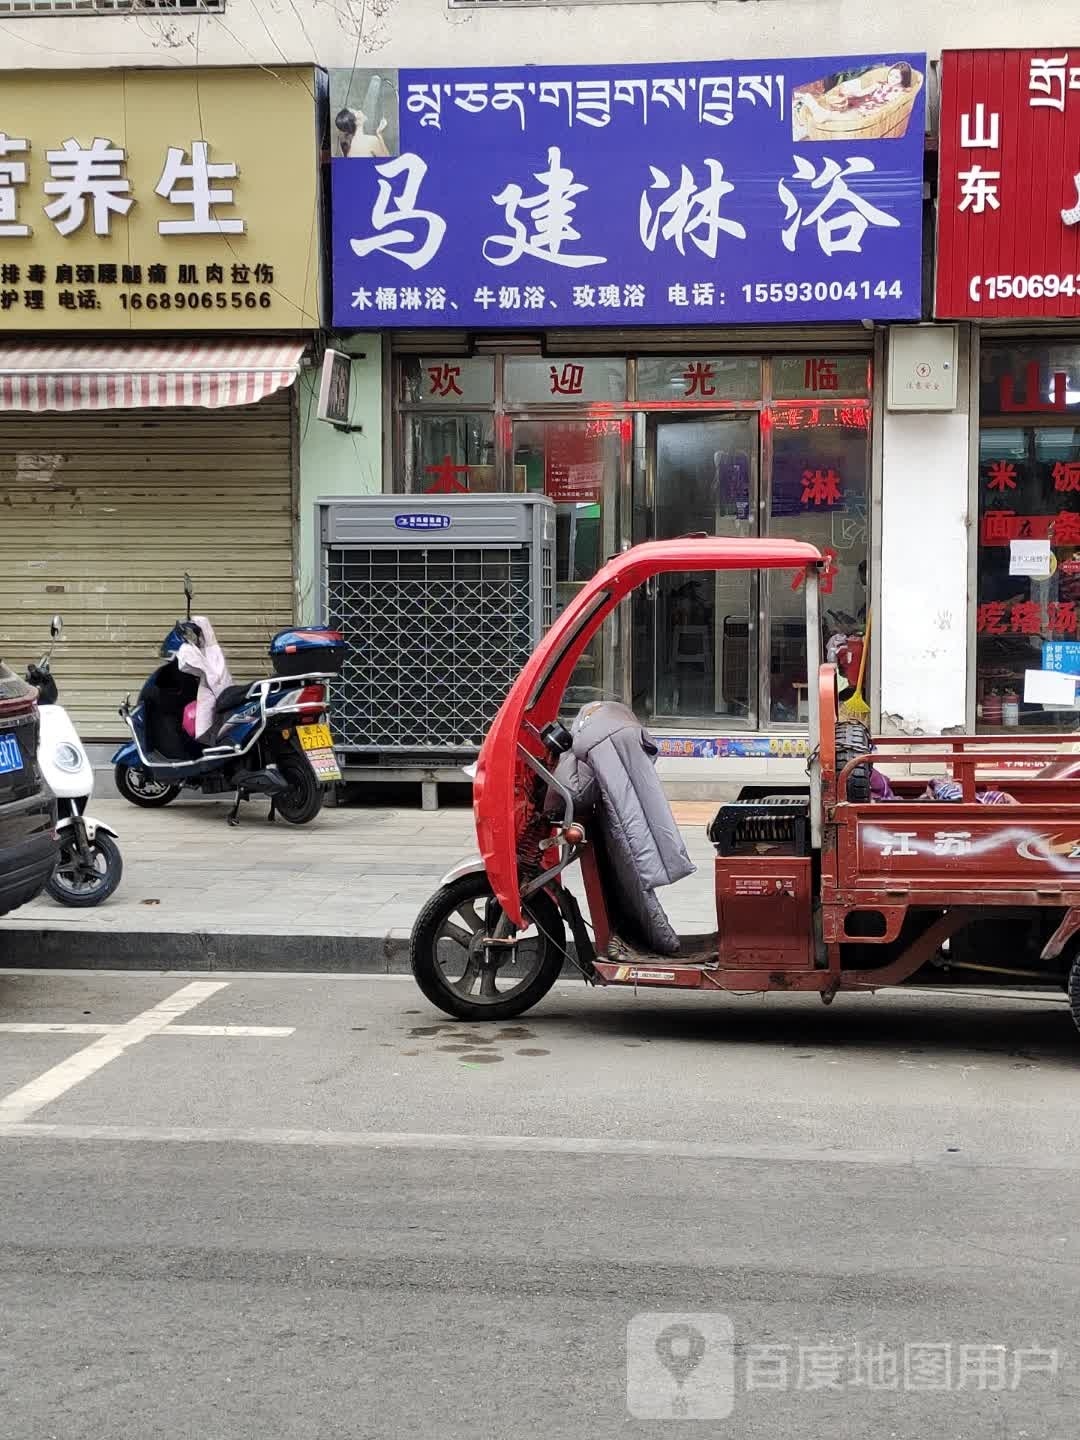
(28, 849)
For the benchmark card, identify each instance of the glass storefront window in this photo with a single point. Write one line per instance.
(578, 465)
(819, 493)
(558, 382)
(695, 633)
(1029, 489)
(449, 454)
(447, 381)
(824, 377)
(624, 465)
(708, 377)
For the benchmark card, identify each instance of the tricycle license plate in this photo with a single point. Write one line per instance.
(10, 755)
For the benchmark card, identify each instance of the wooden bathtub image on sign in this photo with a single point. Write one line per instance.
(872, 103)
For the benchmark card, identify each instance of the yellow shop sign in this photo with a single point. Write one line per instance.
(159, 200)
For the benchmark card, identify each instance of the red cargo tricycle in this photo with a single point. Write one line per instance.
(822, 887)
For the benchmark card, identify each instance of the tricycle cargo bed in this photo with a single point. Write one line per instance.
(977, 854)
(1013, 837)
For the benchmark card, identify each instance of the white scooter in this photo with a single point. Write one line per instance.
(90, 865)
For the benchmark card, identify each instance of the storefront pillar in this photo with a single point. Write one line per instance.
(922, 629)
(337, 459)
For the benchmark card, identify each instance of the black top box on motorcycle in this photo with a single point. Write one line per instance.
(307, 651)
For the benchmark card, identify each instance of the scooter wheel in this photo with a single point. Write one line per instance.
(304, 798)
(449, 964)
(70, 884)
(140, 789)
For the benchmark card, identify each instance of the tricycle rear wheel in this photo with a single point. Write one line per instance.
(448, 960)
(1073, 987)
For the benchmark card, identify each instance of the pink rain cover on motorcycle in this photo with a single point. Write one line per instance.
(207, 663)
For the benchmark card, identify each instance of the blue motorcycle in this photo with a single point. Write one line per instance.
(270, 737)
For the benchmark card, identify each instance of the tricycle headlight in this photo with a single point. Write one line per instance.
(68, 757)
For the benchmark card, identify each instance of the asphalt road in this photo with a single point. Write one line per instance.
(318, 1211)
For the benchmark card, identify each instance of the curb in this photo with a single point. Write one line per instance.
(180, 950)
(189, 950)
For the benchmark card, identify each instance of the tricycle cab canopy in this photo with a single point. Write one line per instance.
(536, 695)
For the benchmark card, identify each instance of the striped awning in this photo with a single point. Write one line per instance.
(119, 376)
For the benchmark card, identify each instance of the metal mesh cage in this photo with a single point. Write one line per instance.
(435, 638)
(38, 8)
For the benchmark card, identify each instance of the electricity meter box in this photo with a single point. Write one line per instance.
(441, 599)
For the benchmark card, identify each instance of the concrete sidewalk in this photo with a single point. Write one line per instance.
(339, 894)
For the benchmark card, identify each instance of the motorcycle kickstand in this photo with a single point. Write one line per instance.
(234, 813)
(272, 816)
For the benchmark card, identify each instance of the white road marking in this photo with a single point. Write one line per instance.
(79, 1027)
(55, 1027)
(259, 1031)
(793, 1154)
(27, 1099)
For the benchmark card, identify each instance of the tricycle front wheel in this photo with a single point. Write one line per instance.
(464, 978)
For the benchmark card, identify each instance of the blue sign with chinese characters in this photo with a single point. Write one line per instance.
(422, 521)
(752, 191)
(1061, 655)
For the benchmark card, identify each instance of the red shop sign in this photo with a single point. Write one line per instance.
(1009, 184)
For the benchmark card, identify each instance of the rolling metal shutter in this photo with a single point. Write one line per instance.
(101, 513)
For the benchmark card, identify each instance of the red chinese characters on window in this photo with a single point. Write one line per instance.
(990, 619)
(1066, 475)
(996, 617)
(1001, 526)
(821, 487)
(446, 481)
(568, 379)
(1012, 404)
(1066, 528)
(1026, 618)
(828, 572)
(443, 380)
(1001, 476)
(820, 375)
(698, 378)
(1061, 618)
